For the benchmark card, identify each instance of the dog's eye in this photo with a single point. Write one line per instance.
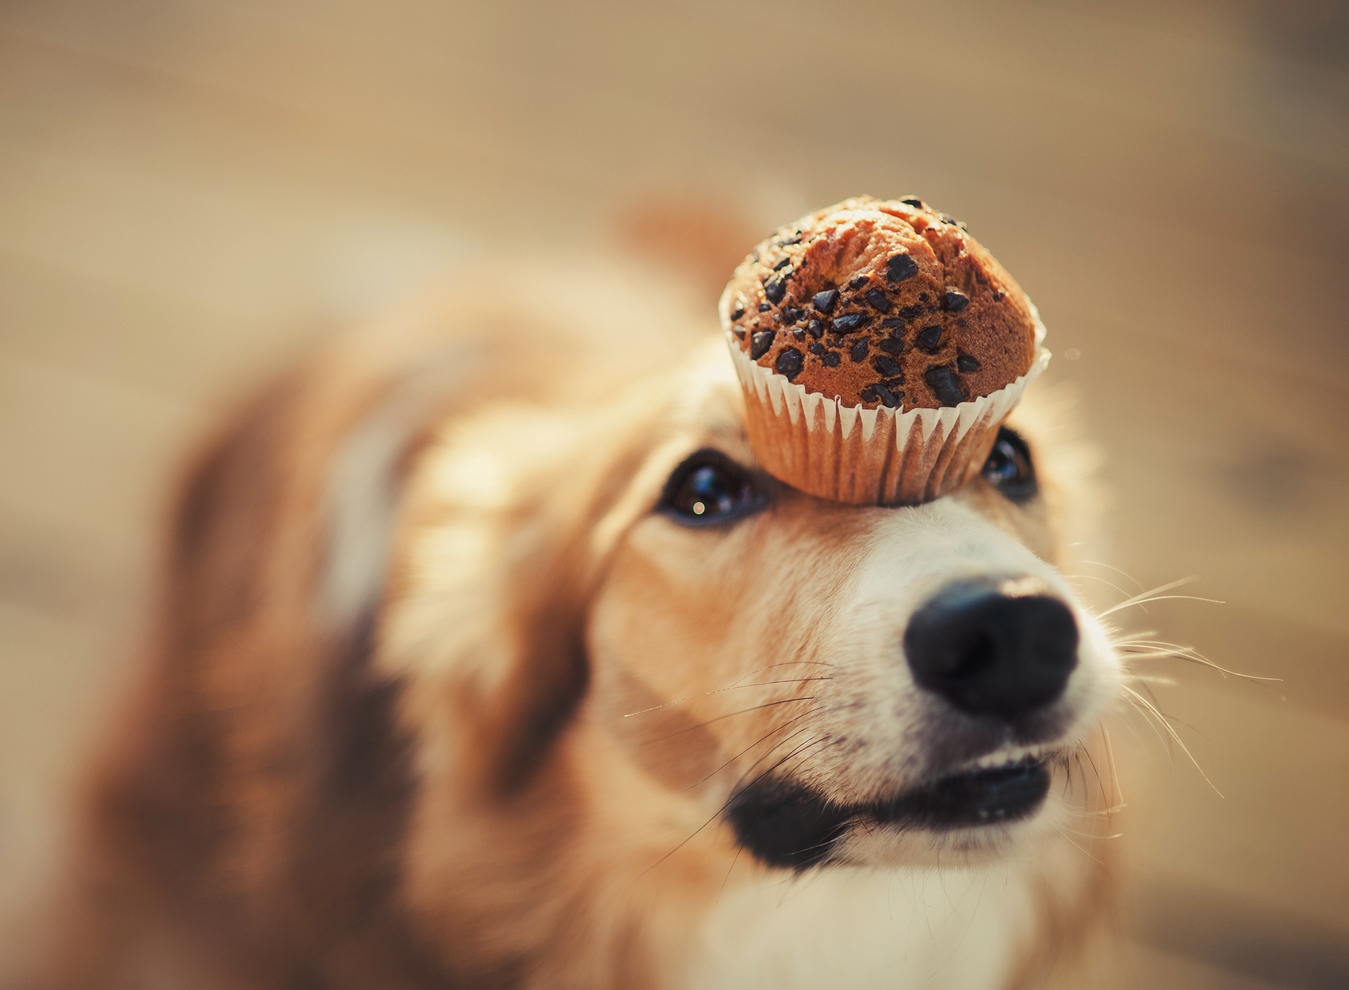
(709, 488)
(1009, 468)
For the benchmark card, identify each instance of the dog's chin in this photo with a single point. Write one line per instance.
(977, 809)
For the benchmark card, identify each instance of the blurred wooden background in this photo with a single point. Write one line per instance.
(191, 189)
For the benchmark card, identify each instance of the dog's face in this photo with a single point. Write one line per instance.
(641, 670)
(844, 684)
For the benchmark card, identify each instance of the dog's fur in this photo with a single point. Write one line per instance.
(439, 698)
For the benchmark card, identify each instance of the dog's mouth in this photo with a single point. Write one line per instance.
(788, 824)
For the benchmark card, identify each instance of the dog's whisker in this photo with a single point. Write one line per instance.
(1150, 679)
(1154, 595)
(1173, 733)
(1150, 653)
(1094, 577)
(719, 718)
(784, 663)
(1112, 567)
(766, 735)
(1156, 649)
(820, 845)
(810, 753)
(740, 785)
(733, 687)
(1169, 718)
(800, 755)
(775, 747)
(1068, 834)
(734, 859)
(1163, 598)
(1150, 720)
(1100, 782)
(1130, 636)
(1110, 761)
(721, 810)
(1168, 586)
(692, 835)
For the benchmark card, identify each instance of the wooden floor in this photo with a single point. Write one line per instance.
(189, 190)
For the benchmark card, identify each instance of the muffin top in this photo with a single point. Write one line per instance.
(882, 303)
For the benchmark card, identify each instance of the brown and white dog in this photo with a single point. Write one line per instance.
(487, 657)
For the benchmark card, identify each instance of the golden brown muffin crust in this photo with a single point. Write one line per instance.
(882, 302)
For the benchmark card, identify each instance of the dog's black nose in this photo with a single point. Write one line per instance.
(991, 649)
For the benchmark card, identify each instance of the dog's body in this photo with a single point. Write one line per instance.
(446, 693)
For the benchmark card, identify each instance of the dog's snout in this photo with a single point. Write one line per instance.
(993, 647)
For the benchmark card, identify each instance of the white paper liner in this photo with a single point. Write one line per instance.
(876, 456)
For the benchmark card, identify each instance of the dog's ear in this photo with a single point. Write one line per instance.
(503, 545)
(260, 774)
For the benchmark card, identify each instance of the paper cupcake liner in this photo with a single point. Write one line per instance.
(876, 456)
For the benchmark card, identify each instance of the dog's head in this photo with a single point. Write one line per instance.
(841, 684)
(613, 604)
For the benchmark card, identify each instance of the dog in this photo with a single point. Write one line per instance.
(487, 656)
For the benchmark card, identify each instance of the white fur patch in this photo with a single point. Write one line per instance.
(863, 929)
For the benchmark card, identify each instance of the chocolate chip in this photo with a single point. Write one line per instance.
(738, 312)
(891, 346)
(885, 395)
(955, 300)
(776, 288)
(816, 347)
(799, 334)
(831, 359)
(894, 384)
(850, 322)
(869, 395)
(900, 267)
(824, 301)
(895, 324)
(909, 312)
(913, 201)
(878, 300)
(740, 334)
(886, 366)
(967, 363)
(859, 350)
(998, 296)
(759, 344)
(949, 220)
(791, 314)
(789, 363)
(945, 385)
(815, 328)
(929, 339)
(782, 264)
(925, 297)
(858, 282)
(764, 307)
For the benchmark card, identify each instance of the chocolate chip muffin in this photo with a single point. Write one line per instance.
(882, 303)
(879, 347)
